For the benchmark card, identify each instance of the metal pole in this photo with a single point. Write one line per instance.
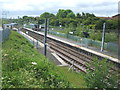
(37, 31)
(48, 24)
(103, 37)
(45, 37)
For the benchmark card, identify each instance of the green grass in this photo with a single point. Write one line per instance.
(76, 79)
(19, 72)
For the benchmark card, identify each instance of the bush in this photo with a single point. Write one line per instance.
(101, 77)
(111, 37)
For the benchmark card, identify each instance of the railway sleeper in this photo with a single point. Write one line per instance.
(67, 50)
(68, 55)
(69, 62)
(78, 53)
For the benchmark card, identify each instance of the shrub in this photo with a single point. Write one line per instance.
(101, 77)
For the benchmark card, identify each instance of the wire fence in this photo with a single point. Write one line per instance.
(88, 42)
(85, 41)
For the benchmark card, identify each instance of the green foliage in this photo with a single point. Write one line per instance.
(101, 76)
(92, 26)
(63, 13)
(111, 37)
(71, 15)
(25, 17)
(99, 23)
(112, 24)
(87, 23)
(96, 35)
(47, 15)
(79, 30)
(54, 22)
(24, 67)
(60, 18)
(78, 15)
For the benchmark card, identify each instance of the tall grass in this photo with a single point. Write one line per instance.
(24, 67)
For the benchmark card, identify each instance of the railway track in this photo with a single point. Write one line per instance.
(71, 55)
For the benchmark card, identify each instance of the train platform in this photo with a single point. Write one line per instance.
(78, 44)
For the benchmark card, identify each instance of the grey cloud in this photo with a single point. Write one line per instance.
(104, 8)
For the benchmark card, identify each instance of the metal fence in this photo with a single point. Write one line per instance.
(4, 34)
(85, 41)
(88, 42)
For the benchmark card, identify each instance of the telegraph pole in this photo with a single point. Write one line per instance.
(45, 37)
(103, 37)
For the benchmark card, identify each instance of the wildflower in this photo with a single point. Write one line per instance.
(5, 54)
(34, 63)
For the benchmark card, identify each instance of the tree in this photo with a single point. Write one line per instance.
(89, 15)
(68, 11)
(54, 22)
(83, 15)
(87, 21)
(63, 13)
(25, 17)
(79, 30)
(47, 15)
(112, 24)
(72, 27)
(78, 15)
(99, 23)
(71, 15)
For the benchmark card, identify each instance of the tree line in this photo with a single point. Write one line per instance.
(68, 18)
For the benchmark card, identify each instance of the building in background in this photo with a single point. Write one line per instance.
(113, 17)
(116, 16)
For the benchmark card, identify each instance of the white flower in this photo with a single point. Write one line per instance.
(5, 54)
(34, 63)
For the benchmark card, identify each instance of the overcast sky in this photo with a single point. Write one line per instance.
(16, 8)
